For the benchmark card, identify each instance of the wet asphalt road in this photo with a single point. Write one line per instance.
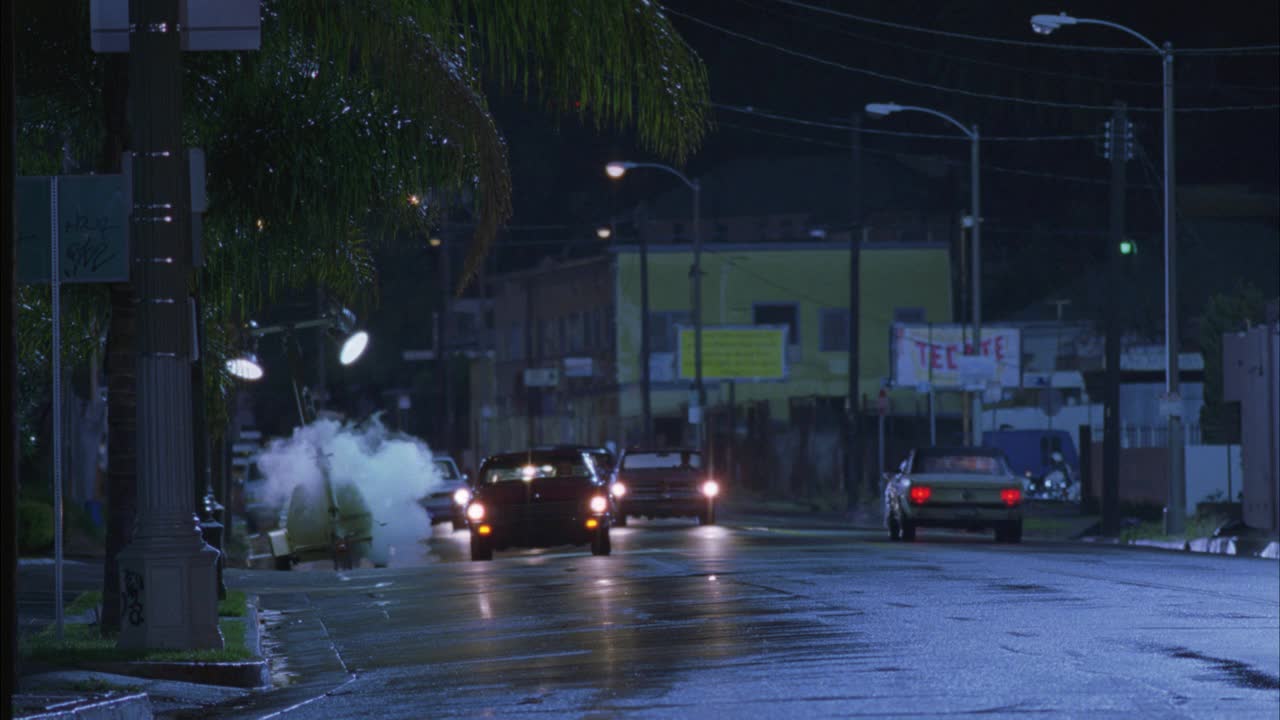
(763, 618)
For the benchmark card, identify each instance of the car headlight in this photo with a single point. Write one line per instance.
(462, 496)
(618, 489)
(475, 511)
(711, 488)
(599, 504)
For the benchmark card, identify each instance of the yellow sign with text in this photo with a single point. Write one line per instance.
(736, 353)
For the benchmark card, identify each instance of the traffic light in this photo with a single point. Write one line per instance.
(1128, 247)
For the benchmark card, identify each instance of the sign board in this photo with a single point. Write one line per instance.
(740, 353)
(93, 237)
(936, 354)
(578, 367)
(413, 355)
(1170, 405)
(541, 377)
(206, 25)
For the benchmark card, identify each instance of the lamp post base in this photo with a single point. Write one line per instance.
(169, 594)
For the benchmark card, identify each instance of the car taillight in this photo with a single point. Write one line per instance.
(920, 493)
(1011, 496)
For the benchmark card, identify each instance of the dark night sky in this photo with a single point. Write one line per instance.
(553, 160)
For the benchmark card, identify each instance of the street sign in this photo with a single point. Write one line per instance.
(541, 377)
(740, 353)
(578, 367)
(412, 355)
(93, 238)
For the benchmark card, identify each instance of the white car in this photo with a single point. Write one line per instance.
(962, 488)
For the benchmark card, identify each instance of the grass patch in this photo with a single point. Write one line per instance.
(236, 604)
(1198, 526)
(82, 644)
(84, 602)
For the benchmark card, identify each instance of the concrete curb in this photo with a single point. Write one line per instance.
(245, 674)
(1240, 547)
(133, 706)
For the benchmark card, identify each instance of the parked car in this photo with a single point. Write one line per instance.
(665, 483)
(446, 503)
(1046, 460)
(539, 498)
(965, 488)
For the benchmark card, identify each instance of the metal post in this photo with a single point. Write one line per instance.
(8, 356)
(646, 409)
(168, 583)
(933, 413)
(853, 478)
(1111, 389)
(55, 288)
(976, 192)
(697, 311)
(1177, 460)
(733, 435)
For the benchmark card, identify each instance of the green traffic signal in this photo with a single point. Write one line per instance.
(1127, 247)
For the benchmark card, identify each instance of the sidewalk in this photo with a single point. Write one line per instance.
(84, 678)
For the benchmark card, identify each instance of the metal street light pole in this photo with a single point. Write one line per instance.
(1177, 491)
(975, 211)
(616, 170)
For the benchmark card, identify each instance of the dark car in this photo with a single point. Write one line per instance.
(963, 488)
(539, 498)
(606, 468)
(665, 483)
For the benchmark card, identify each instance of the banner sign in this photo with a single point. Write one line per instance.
(745, 353)
(93, 238)
(937, 355)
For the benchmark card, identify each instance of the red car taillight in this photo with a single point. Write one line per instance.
(1011, 496)
(919, 494)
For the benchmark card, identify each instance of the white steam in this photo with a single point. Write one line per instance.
(390, 471)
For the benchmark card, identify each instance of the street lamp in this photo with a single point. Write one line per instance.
(975, 217)
(604, 232)
(616, 170)
(1044, 25)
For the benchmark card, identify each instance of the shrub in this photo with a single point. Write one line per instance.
(35, 526)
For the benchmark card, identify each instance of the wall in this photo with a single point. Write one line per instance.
(1212, 469)
(812, 275)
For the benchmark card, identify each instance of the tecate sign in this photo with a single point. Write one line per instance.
(936, 355)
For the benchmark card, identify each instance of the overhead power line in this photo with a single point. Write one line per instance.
(1240, 50)
(751, 110)
(1093, 79)
(942, 88)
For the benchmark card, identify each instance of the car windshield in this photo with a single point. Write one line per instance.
(963, 464)
(526, 469)
(662, 460)
(447, 469)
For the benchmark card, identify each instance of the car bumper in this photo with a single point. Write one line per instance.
(540, 534)
(442, 510)
(964, 516)
(658, 507)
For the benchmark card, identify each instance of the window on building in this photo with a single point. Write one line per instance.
(834, 330)
(662, 330)
(780, 314)
(908, 315)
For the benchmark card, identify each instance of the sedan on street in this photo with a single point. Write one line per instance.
(963, 488)
(539, 498)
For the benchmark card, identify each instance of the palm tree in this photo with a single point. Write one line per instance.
(315, 142)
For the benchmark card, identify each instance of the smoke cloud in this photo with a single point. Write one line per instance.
(386, 472)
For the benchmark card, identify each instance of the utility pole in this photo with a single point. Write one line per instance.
(695, 271)
(853, 475)
(9, 381)
(1177, 515)
(1118, 149)
(442, 352)
(646, 381)
(167, 576)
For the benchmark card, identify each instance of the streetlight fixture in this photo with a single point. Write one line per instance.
(616, 170)
(974, 222)
(246, 367)
(604, 232)
(1044, 25)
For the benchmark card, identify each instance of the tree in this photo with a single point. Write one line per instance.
(316, 142)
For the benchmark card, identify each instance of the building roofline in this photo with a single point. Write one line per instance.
(712, 248)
